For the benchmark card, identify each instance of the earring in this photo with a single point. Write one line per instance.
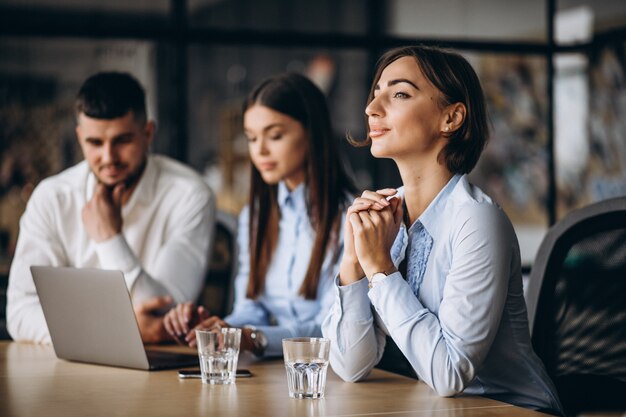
(446, 129)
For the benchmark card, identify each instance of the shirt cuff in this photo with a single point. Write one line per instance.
(394, 300)
(353, 300)
(275, 336)
(117, 255)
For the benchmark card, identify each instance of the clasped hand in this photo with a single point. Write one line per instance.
(372, 224)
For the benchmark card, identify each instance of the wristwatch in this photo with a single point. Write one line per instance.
(379, 277)
(259, 340)
(376, 278)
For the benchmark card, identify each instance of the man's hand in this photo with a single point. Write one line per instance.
(102, 215)
(150, 322)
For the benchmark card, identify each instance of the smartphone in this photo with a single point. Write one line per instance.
(195, 373)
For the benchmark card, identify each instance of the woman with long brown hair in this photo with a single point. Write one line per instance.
(290, 234)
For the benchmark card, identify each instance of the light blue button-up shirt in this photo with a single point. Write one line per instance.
(280, 312)
(467, 329)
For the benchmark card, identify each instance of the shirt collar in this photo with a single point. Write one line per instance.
(430, 218)
(143, 193)
(295, 199)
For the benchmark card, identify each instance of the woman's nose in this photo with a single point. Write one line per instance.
(261, 147)
(374, 108)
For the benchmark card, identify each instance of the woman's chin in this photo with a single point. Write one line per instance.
(270, 179)
(378, 151)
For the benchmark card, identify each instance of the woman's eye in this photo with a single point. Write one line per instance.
(400, 94)
(251, 140)
(276, 137)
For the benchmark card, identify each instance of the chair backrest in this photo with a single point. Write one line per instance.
(218, 292)
(577, 306)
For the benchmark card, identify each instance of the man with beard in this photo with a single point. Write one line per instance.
(121, 208)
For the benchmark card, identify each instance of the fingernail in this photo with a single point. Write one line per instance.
(384, 201)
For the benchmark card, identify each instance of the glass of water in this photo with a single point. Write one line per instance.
(218, 351)
(306, 362)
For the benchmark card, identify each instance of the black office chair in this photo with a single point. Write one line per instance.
(577, 307)
(218, 292)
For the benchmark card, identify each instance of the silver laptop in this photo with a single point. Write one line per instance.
(91, 319)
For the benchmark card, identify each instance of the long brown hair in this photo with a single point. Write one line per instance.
(326, 181)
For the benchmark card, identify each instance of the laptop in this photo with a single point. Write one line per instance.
(91, 319)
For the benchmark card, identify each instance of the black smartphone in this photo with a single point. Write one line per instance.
(195, 373)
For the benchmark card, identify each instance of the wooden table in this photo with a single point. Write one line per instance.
(33, 382)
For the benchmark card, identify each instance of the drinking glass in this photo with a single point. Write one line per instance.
(306, 362)
(218, 351)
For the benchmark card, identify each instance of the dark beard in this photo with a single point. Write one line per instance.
(130, 181)
(134, 177)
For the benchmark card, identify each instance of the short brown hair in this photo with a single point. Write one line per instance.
(457, 81)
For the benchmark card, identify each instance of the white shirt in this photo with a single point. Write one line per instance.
(163, 248)
(467, 330)
(280, 311)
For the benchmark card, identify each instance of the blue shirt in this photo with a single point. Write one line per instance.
(280, 312)
(466, 330)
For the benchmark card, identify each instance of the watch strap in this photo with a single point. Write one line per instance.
(379, 276)
(259, 340)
